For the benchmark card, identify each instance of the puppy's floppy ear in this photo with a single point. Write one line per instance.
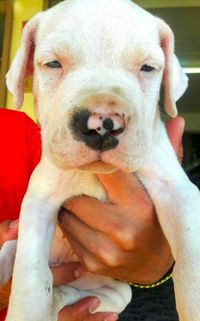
(174, 79)
(22, 65)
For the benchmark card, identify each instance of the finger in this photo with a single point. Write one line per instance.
(8, 230)
(114, 232)
(103, 316)
(82, 311)
(105, 214)
(65, 273)
(175, 128)
(121, 187)
(89, 261)
(97, 215)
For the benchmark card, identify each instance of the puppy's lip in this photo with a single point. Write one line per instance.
(98, 167)
(57, 264)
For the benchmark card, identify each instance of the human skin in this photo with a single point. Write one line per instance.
(121, 239)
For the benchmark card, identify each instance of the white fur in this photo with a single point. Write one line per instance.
(102, 46)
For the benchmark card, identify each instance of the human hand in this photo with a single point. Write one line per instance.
(8, 231)
(82, 310)
(61, 274)
(122, 238)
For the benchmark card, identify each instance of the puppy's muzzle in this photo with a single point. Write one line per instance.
(99, 131)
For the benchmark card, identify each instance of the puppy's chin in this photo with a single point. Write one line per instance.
(93, 166)
(98, 167)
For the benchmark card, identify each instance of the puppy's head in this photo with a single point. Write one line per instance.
(98, 68)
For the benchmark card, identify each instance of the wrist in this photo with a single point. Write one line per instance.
(155, 268)
(160, 282)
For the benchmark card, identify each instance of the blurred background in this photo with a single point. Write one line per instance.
(184, 18)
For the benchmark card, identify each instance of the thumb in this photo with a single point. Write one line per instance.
(80, 310)
(8, 230)
(121, 186)
(83, 310)
(66, 273)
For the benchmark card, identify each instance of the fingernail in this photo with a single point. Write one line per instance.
(79, 272)
(111, 317)
(93, 305)
(14, 224)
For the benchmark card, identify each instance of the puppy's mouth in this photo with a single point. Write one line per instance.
(83, 159)
(98, 167)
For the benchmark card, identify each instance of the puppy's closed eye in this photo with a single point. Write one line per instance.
(54, 64)
(147, 68)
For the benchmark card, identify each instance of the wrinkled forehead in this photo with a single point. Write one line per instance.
(62, 45)
(99, 22)
(83, 33)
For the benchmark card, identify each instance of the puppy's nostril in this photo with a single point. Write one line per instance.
(108, 124)
(95, 130)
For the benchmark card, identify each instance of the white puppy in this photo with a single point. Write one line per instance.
(98, 67)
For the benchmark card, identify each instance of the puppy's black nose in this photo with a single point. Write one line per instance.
(97, 131)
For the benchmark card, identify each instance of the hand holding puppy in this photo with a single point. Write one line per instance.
(122, 238)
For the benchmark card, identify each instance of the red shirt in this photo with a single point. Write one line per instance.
(20, 146)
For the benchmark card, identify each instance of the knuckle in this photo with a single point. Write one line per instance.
(107, 257)
(125, 236)
(90, 265)
(72, 204)
(118, 231)
(75, 203)
(113, 261)
(129, 241)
